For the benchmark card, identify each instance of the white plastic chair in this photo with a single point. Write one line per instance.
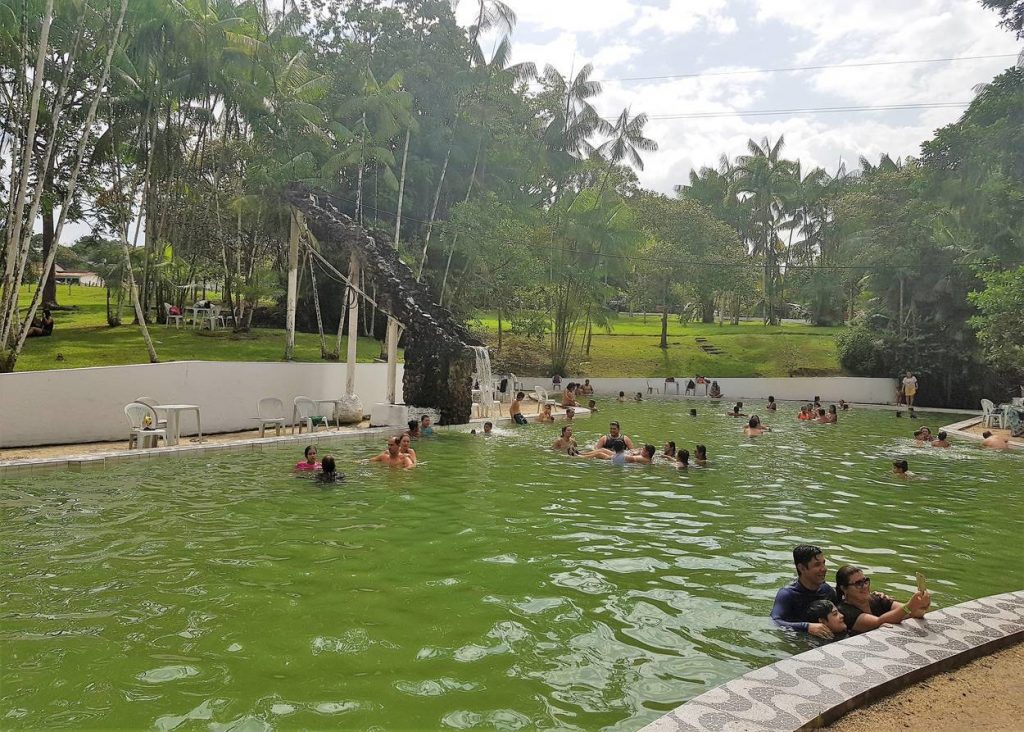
(270, 411)
(304, 413)
(990, 414)
(652, 389)
(541, 395)
(154, 405)
(213, 317)
(136, 412)
(177, 319)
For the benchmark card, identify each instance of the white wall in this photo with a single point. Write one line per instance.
(829, 388)
(86, 405)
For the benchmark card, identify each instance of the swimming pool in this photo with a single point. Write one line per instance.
(496, 585)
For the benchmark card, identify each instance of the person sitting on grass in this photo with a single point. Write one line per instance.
(545, 414)
(425, 429)
(329, 472)
(392, 456)
(309, 463)
(826, 613)
(941, 440)
(901, 469)
(515, 409)
(41, 328)
(793, 601)
(405, 448)
(771, 406)
(994, 442)
(864, 610)
(566, 443)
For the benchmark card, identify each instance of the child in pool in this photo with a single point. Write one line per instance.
(310, 462)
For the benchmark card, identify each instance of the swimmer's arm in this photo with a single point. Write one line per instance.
(377, 459)
(629, 442)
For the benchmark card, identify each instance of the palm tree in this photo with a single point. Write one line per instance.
(626, 142)
(764, 180)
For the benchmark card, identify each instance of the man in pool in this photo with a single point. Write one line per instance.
(735, 412)
(614, 436)
(592, 406)
(425, 429)
(994, 442)
(793, 601)
(393, 457)
(941, 440)
(826, 613)
(586, 389)
(569, 414)
(566, 443)
(488, 428)
(618, 456)
(901, 469)
(515, 409)
(771, 406)
(754, 428)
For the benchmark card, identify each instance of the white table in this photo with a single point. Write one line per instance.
(201, 315)
(173, 412)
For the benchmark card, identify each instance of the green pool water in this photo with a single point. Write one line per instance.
(498, 585)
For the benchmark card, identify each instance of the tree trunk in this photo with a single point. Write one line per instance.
(50, 280)
(353, 327)
(707, 309)
(293, 285)
(499, 328)
(664, 318)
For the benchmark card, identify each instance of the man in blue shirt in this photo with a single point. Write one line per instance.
(793, 600)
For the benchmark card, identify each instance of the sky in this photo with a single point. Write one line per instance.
(626, 39)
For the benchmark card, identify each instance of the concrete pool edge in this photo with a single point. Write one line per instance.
(99, 460)
(819, 686)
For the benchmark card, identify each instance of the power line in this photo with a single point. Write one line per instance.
(820, 67)
(806, 110)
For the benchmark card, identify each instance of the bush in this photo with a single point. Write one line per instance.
(530, 324)
(864, 353)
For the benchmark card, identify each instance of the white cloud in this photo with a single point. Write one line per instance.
(577, 16)
(684, 16)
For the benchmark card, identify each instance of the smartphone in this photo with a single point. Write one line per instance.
(921, 587)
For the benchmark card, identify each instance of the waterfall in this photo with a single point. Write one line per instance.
(483, 370)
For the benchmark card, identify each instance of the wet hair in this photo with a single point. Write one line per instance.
(591, 403)
(754, 421)
(622, 393)
(520, 395)
(425, 416)
(986, 434)
(819, 609)
(472, 432)
(414, 425)
(619, 445)
(921, 432)
(736, 409)
(771, 398)
(832, 409)
(309, 449)
(489, 424)
(942, 434)
(46, 313)
(564, 428)
(898, 414)
(821, 411)
(613, 424)
(693, 412)
(672, 447)
(701, 452)
(683, 456)
(327, 465)
(804, 553)
(843, 575)
(649, 450)
(817, 398)
(903, 465)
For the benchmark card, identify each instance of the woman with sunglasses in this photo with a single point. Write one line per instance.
(865, 610)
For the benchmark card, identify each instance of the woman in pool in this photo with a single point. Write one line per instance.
(771, 406)
(565, 442)
(622, 396)
(683, 459)
(619, 456)
(832, 416)
(700, 455)
(310, 462)
(865, 610)
(405, 448)
(669, 450)
(545, 414)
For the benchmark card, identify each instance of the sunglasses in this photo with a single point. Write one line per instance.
(861, 582)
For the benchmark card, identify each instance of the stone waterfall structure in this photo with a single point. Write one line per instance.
(438, 361)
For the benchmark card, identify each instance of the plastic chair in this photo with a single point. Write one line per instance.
(304, 412)
(270, 411)
(990, 414)
(154, 405)
(177, 318)
(213, 316)
(652, 389)
(136, 412)
(541, 395)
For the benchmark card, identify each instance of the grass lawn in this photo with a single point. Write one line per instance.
(748, 349)
(83, 337)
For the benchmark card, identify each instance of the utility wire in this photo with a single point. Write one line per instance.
(819, 67)
(804, 110)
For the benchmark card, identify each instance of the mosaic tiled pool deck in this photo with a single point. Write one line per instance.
(817, 687)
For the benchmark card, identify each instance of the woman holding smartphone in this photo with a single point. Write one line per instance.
(865, 610)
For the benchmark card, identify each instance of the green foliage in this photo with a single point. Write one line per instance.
(1000, 319)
